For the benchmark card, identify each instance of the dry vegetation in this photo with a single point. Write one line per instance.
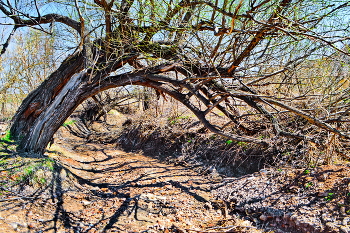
(166, 128)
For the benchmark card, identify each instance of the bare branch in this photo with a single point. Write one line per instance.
(306, 116)
(6, 44)
(19, 22)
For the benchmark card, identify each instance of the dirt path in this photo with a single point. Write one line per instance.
(102, 189)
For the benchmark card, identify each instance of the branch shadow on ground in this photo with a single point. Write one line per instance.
(121, 191)
(55, 197)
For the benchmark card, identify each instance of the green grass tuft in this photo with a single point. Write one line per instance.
(71, 122)
(7, 137)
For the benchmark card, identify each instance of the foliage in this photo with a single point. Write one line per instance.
(329, 197)
(70, 122)
(228, 142)
(17, 172)
(7, 138)
(177, 119)
(308, 185)
(306, 172)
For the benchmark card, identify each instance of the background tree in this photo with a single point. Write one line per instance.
(29, 61)
(236, 57)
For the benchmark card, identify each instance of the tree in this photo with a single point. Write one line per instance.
(208, 55)
(24, 67)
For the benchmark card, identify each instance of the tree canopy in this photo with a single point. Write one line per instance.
(245, 58)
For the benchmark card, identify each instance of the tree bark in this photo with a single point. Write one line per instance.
(39, 100)
(75, 91)
(44, 127)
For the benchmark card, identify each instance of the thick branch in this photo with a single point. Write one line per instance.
(32, 21)
(201, 116)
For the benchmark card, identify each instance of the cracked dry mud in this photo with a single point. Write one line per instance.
(102, 189)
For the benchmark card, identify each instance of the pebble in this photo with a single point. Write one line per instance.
(263, 217)
(14, 225)
(86, 202)
(345, 221)
(322, 194)
(208, 206)
(344, 229)
(307, 210)
(343, 210)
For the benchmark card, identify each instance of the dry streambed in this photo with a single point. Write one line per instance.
(97, 188)
(102, 189)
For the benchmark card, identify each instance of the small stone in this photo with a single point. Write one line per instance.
(151, 231)
(86, 202)
(344, 229)
(263, 217)
(63, 174)
(322, 194)
(264, 172)
(31, 225)
(325, 218)
(294, 189)
(208, 206)
(14, 225)
(324, 210)
(343, 210)
(345, 221)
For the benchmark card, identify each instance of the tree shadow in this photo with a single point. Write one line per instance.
(112, 199)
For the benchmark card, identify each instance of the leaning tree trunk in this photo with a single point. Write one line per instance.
(75, 91)
(38, 100)
(47, 107)
(54, 115)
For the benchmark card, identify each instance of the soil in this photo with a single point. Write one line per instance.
(98, 188)
(102, 189)
(292, 200)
